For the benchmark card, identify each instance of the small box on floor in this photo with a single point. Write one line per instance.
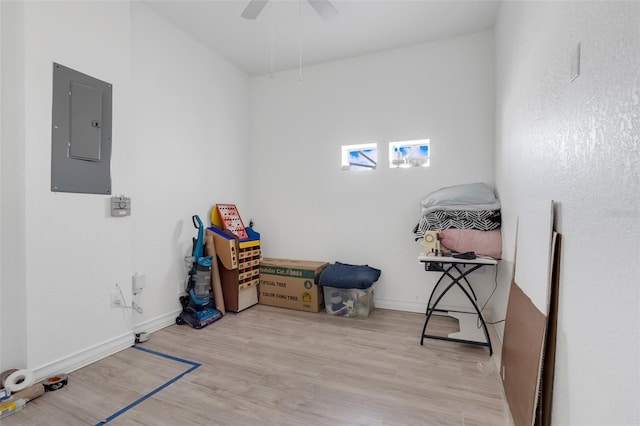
(291, 284)
(349, 302)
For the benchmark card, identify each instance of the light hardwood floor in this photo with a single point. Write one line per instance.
(273, 366)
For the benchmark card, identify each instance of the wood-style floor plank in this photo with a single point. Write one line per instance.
(273, 366)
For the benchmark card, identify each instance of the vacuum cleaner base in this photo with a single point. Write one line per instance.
(199, 319)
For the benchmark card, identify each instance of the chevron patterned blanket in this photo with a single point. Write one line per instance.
(437, 220)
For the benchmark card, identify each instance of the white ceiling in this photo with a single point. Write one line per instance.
(363, 26)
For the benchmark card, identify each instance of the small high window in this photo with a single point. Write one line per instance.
(409, 153)
(360, 157)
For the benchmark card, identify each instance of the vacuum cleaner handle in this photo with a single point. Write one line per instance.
(198, 246)
(196, 225)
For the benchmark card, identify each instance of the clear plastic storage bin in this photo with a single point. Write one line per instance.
(348, 302)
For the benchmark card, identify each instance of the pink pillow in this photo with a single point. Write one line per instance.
(484, 243)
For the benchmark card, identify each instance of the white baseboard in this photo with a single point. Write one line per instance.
(157, 323)
(102, 350)
(410, 306)
(84, 357)
(400, 305)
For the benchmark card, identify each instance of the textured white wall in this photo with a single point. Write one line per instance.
(307, 208)
(578, 144)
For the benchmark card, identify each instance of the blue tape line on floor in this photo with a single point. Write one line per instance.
(171, 357)
(193, 365)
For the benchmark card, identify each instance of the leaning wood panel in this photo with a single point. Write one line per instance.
(543, 412)
(216, 284)
(527, 310)
(524, 333)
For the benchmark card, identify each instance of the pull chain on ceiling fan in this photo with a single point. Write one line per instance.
(324, 8)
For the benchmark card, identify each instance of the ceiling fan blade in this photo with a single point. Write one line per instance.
(253, 9)
(325, 9)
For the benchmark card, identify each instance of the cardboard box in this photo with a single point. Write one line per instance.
(247, 297)
(291, 284)
(238, 266)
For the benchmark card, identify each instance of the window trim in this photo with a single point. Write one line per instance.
(408, 161)
(348, 149)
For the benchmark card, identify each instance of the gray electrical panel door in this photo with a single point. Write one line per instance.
(80, 133)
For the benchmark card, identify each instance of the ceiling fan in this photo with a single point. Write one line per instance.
(324, 8)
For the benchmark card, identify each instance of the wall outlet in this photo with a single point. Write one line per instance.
(138, 282)
(116, 301)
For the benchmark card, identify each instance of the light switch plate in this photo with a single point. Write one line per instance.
(575, 63)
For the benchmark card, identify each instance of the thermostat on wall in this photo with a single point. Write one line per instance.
(120, 206)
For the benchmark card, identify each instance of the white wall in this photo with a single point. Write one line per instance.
(578, 144)
(1, 180)
(189, 136)
(181, 145)
(13, 327)
(179, 114)
(307, 208)
(74, 252)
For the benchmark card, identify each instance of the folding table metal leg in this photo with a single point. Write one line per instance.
(456, 281)
(435, 288)
(463, 276)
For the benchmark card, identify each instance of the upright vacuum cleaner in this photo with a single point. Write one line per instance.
(198, 307)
